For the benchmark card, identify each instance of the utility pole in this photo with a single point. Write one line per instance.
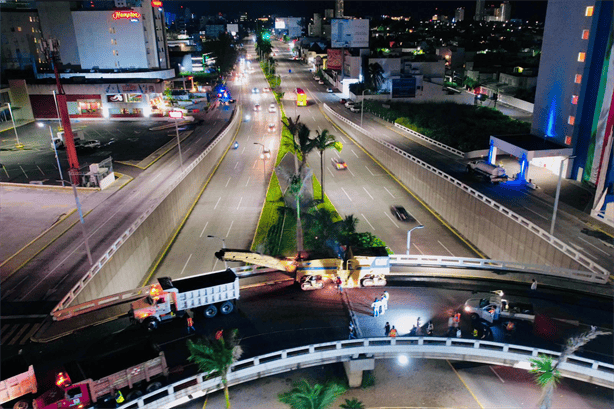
(51, 49)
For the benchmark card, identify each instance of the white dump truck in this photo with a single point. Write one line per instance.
(58, 138)
(209, 293)
(491, 173)
(492, 308)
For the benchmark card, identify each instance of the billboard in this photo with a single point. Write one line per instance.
(404, 88)
(333, 61)
(349, 33)
(280, 24)
(232, 28)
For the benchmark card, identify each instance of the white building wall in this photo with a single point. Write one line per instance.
(107, 43)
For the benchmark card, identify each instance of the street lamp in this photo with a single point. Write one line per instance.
(177, 115)
(55, 150)
(409, 236)
(83, 232)
(264, 156)
(18, 144)
(223, 246)
(362, 106)
(558, 192)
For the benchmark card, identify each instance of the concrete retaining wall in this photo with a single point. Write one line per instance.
(141, 246)
(497, 234)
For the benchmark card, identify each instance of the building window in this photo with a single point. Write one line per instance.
(581, 57)
(111, 30)
(574, 100)
(568, 140)
(571, 120)
(585, 34)
(33, 30)
(18, 28)
(115, 53)
(589, 11)
(578, 78)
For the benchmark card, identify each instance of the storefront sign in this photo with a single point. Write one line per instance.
(134, 98)
(156, 3)
(129, 88)
(115, 98)
(127, 14)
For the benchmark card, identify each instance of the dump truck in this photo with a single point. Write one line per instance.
(493, 307)
(19, 383)
(58, 138)
(104, 375)
(359, 267)
(490, 173)
(168, 299)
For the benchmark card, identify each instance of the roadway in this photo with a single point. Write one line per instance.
(41, 283)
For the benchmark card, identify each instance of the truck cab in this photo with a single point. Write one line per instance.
(159, 305)
(73, 396)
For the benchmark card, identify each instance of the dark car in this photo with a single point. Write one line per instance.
(257, 107)
(339, 163)
(400, 213)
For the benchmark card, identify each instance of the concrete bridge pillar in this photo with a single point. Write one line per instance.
(354, 368)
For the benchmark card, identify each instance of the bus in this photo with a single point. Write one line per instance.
(301, 98)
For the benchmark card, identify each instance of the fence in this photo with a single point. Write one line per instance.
(494, 353)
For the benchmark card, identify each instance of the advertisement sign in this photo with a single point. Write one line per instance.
(232, 28)
(130, 88)
(156, 3)
(126, 14)
(116, 98)
(333, 61)
(404, 88)
(280, 24)
(347, 33)
(134, 97)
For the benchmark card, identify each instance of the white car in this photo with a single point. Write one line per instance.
(272, 108)
(330, 90)
(355, 108)
(349, 104)
(321, 82)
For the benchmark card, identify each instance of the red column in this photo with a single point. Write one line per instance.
(71, 151)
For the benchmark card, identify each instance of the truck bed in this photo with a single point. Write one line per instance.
(199, 281)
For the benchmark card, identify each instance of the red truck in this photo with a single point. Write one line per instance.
(103, 381)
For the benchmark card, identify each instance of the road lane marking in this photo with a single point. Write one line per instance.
(19, 333)
(247, 183)
(532, 211)
(352, 150)
(239, 205)
(445, 248)
(236, 164)
(228, 182)
(24, 172)
(186, 264)
(363, 216)
(346, 193)
(351, 172)
(30, 333)
(389, 192)
(157, 176)
(463, 382)
(417, 248)
(367, 192)
(231, 223)
(202, 232)
(330, 171)
(495, 372)
(218, 202)
(372, 174)
(391, 219)
(590, 244)
(583, 250)
(255, 163)
(39, 168)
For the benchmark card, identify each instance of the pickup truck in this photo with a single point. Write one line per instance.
(492, 308)
(490, 173)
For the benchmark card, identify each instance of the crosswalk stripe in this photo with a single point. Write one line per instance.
(4, 327)
(30, 333)
(18, 335)
(6, 335)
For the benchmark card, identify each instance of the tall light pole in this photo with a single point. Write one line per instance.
(409, 236)
(177, 115)
(17, 144)
(55, 150)
(264, 155)
(223, 246)
(83, 232)
(362, 106)
(558, 192)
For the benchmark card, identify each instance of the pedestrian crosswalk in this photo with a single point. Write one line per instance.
(18, 333)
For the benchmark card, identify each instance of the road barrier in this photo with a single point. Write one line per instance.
(431, 141)
(459, 349)
(129, 257)
(468, 211)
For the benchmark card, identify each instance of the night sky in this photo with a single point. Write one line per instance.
(417, 9)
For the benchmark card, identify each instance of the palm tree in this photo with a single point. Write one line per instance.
(376, 76)
(305, 396)
(293, 126)
(321, 142)
(353, 403)
(304, 144)
(217, 355)
(347, 227)
(546, 372)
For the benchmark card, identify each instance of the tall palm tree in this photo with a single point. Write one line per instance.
(304, 143)
(293, 126)
(217, 355)
(347, 227)
(376, 76)
(546, 372)
(321, 142)
(305, 396)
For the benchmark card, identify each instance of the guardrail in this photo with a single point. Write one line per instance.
(431, 141)
(494, 353)
(601, 274)
(79, 286)
(487, 264)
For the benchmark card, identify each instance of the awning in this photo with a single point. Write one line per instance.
(530, 146)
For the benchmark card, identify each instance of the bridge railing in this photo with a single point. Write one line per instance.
(569, 251)
(487, 264)
(431, 141)
(494, 353)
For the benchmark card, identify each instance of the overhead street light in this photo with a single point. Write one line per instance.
(177, 115)
(83, 232)
(264, 155)
(409, 236)
(55, 150)
(17, 144)
(558, 192)
(223, 246)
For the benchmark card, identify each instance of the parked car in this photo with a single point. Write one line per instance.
(339, 163)
(348, 104)
(355, 108)
(93, 144)
(400, 213)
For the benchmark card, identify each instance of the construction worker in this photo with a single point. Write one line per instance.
(393, 332)
(190, 324)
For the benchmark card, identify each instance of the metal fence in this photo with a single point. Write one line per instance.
(286, 360)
